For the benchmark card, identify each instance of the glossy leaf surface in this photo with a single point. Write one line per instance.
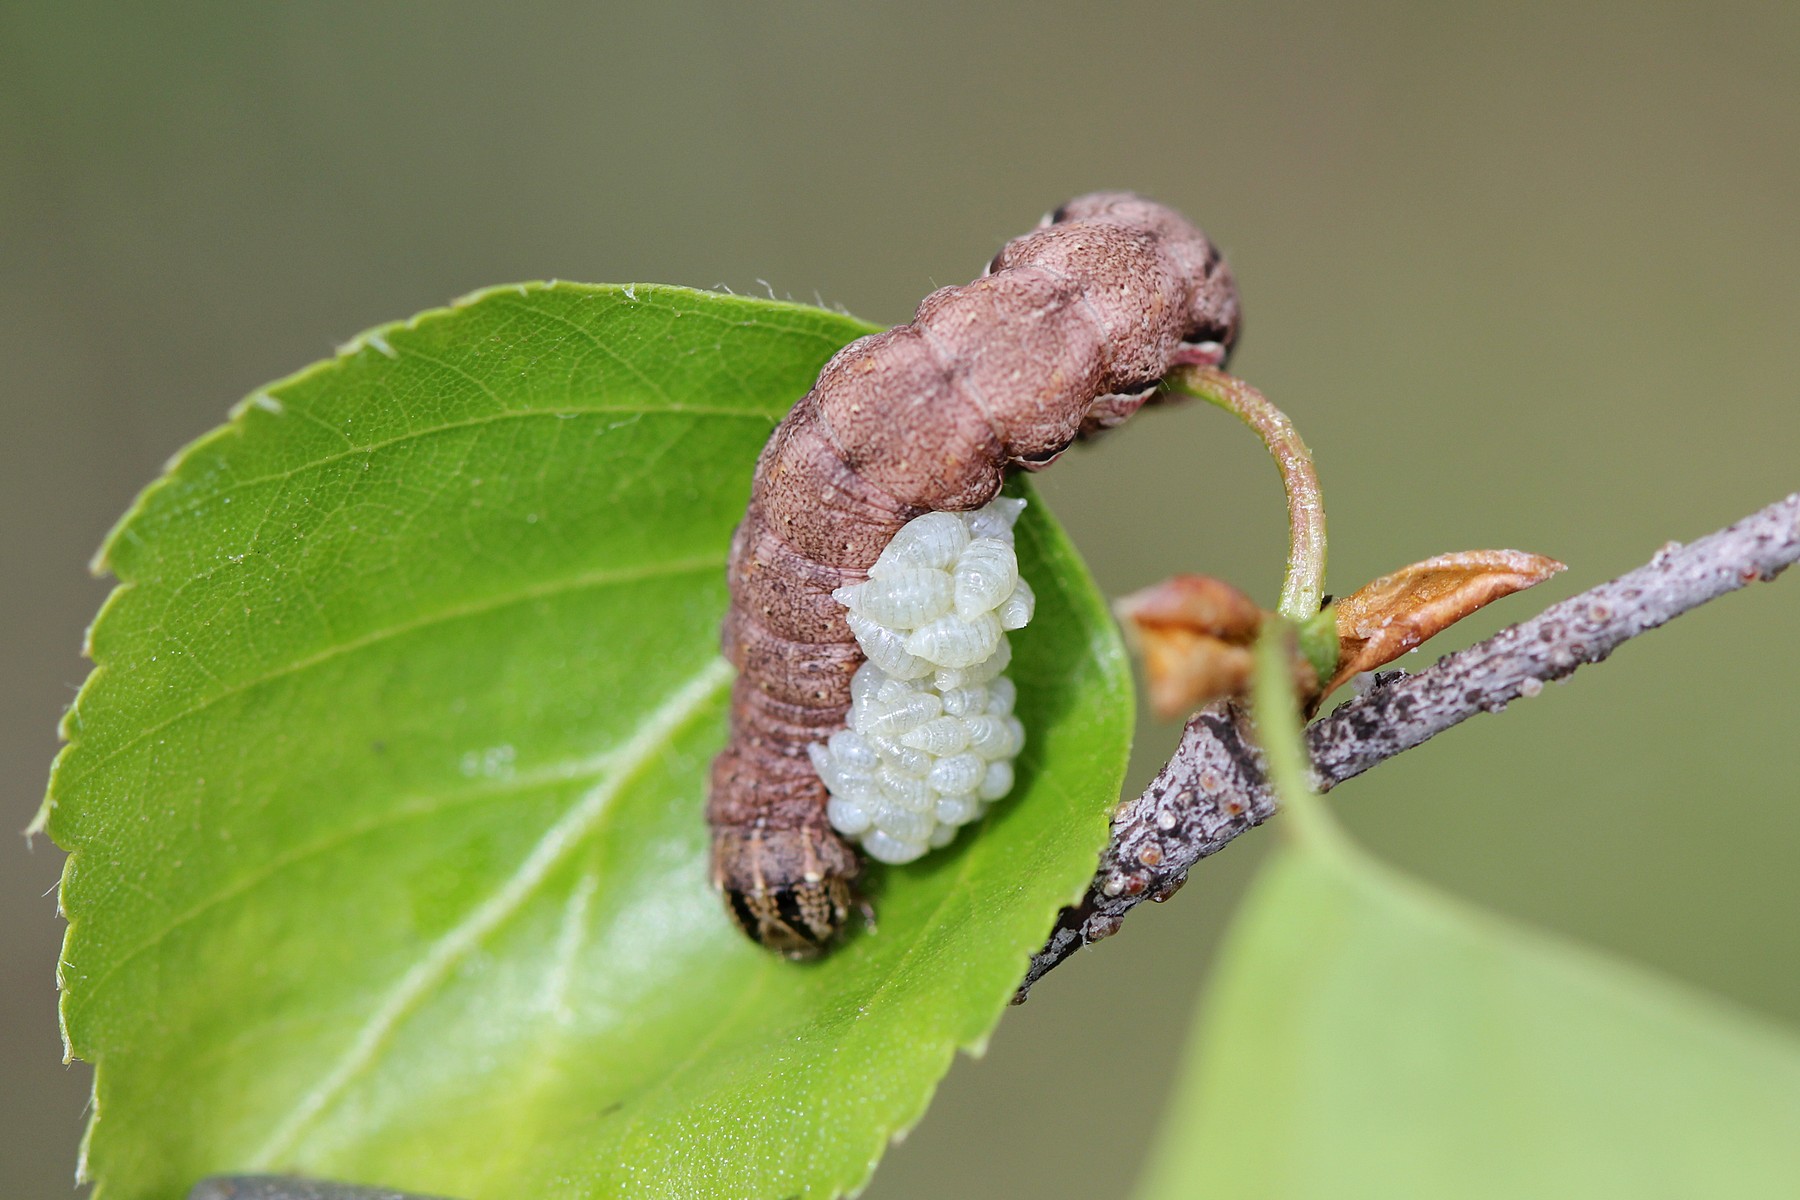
(384, 799)
(1368, 1037)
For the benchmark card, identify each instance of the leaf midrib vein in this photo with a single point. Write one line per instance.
(405, 810)
(652, 736)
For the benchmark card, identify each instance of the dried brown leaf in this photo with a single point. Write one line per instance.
(1198, 602)
(1187, 670)
(1193, 634)
(1397, 612)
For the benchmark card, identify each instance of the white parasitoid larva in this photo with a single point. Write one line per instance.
(931, 735)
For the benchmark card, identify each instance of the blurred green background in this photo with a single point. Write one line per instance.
(1525, 275)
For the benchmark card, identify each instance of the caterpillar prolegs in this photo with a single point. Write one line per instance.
(1066, 334)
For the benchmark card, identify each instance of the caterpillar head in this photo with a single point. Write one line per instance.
(788, 889)
(1213, 315)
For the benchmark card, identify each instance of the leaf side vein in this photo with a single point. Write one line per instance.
(601, 578)
(635, 754)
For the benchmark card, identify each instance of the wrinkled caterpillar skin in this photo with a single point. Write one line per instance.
(1066, 334)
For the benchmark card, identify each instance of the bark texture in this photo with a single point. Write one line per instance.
(1214, 787)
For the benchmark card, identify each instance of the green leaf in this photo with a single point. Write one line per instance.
(1368, 1037)
(384, 799)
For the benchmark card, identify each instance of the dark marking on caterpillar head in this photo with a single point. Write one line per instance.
(1063, 336)
(788, 889)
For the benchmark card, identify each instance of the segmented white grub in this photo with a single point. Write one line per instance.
(931, 737)
(905, 598)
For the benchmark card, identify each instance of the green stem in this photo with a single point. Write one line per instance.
(1304, 586)
(1275, 706)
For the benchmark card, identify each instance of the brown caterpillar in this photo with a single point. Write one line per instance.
(1066, 334)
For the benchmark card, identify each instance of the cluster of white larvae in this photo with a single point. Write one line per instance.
(932, 734)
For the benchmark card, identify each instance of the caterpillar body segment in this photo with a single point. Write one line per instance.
(1064, 336)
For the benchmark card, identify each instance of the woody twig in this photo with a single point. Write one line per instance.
(1214, 789)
